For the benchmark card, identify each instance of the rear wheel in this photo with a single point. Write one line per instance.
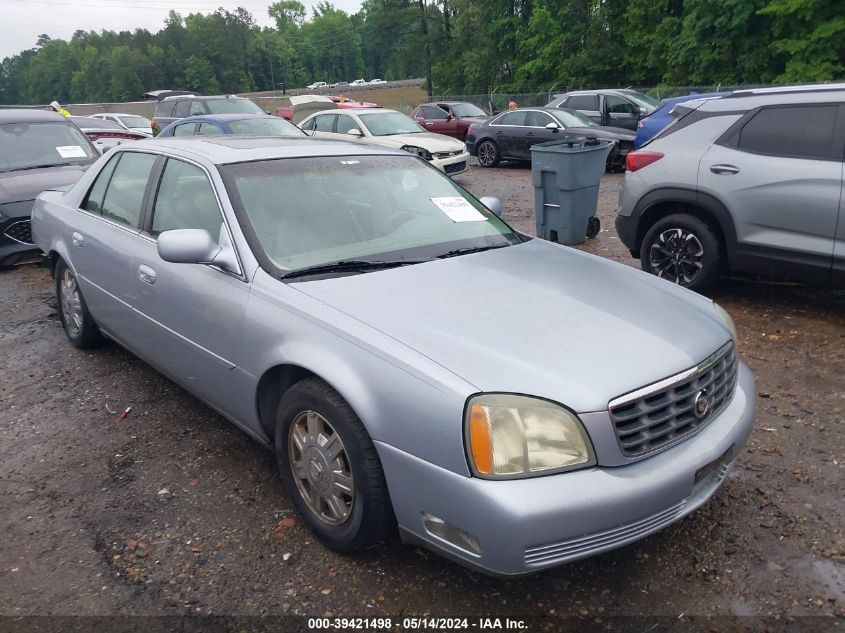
(330, 467)
(488, 154)
(77, 322)
(682, 249)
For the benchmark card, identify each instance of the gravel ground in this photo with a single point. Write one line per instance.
(173, 511)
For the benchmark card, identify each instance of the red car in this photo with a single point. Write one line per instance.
(452, 118)
(287, 112)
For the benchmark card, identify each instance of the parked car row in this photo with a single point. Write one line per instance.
(317, 85)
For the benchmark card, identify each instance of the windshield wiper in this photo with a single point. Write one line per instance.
(43, 166)
(352, 265)
(468, 250)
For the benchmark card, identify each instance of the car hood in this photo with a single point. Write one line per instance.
(16, 186)
(537, 319)
(604, 131)
(427, 140)
(475, 120)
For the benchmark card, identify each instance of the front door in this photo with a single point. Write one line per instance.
(193, 313)
(780, 177)
(621, 112)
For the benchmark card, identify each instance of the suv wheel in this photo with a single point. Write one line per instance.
(682, 249)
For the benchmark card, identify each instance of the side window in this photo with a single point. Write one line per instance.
(430, 112)
(309, 125)
(182, 108)
(324, 123)
(345, 123)
(513, 118)
(94, 200)
(125, 193)
(583, 102)
(185, 200)
(799, 131)
(537, 119)
(618, 105)
(197, 107)
(209, 129)
(186, 129)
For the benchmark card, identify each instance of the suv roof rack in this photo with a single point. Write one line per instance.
(751, 92)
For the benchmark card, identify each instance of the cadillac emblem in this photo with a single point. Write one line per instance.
(702, 404)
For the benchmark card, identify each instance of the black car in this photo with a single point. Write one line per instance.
(619, 108)
(171, 108)
(38, 150)
(510, 135)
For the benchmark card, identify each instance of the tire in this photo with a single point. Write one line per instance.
(488, 153)
(78, 324)
(313, 423)
(682, 249)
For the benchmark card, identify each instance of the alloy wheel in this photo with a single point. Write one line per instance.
(321, 468)
(677, 256)
(487, 154)
(71, 302)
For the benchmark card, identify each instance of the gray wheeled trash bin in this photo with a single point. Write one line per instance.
(566, 177)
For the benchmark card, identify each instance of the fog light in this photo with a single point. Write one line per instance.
(438, 528)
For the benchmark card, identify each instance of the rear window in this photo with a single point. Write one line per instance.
(232, 106)
(795, 131)
(271, 126)
(30, 145)
(164, 108)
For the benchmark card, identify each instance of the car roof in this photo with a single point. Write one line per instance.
(92, 123)
(353, 111)
(222, 150)
(597, 91)
(22, 115)
(195, 96)
(742, 100)
(224, 118)
(120, 114)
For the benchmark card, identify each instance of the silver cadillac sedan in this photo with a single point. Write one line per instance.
(413, 362)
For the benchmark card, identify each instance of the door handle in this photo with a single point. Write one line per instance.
(77, 238)
(529, 134)
(724, 169)
(146, 274)
(429, 123)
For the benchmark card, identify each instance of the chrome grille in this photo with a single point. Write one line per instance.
(19, 231)
(664, 413)
(455, 168)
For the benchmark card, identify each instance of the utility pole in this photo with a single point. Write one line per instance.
(426, 48)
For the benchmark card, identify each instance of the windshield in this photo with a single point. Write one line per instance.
(467, 109)
(304, 212)
(269, 126)
(132, 120)
(390, 123)
(642, 100)
(28, 145)
(232, 106)
(573, 118)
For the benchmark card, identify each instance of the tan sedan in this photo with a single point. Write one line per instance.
(393, 129)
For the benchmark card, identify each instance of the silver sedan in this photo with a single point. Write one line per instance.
(414, 363)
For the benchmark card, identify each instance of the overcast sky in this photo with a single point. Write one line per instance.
(21, 21)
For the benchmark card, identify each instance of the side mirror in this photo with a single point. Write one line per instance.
(187, 246)
(551, 125)
(449, 117)
(355, 132)
(493, 203)
(642, 111)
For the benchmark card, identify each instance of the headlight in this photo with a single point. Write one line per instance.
(419, 151)
(510, 436)
(729, 322)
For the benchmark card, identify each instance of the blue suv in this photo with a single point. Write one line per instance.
(649, 126)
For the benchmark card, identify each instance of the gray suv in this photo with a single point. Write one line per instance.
(749, 183)
(173, 108)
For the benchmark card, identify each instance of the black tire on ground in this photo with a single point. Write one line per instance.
(78, 324)
(488, 153)
(370, 515)
(684, 250)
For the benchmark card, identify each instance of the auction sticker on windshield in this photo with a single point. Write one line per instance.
(458, 209)
(71, 151)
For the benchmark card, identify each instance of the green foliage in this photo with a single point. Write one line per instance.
(465, 46)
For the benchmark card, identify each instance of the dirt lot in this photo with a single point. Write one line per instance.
(173, 511)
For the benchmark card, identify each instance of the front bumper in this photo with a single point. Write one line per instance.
(452, 165)
(532, 524)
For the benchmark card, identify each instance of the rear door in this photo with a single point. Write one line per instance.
(192, 313)
(510, 134)
(322, 125)
(779, 173)
(104, 239)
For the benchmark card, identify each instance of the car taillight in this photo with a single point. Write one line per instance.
(641, 158)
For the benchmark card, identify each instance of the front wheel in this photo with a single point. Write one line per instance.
(330, 468)
(77, 322)
(682, 249)
(488, 154)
